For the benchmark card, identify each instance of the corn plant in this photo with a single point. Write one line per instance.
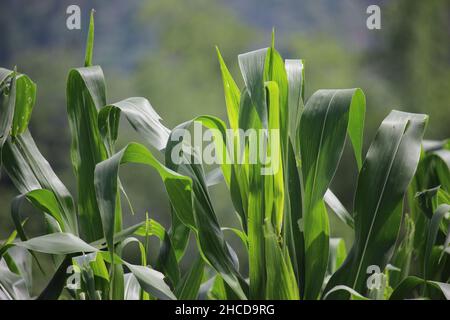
(284, 215)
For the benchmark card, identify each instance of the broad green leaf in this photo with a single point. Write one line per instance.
(29, 171)
(383, 181)
(106, 184)
(326, 119)
(56, 243)
(85, 96)
(142, 117)
(252, 69)
(46, 201)
(151, 281)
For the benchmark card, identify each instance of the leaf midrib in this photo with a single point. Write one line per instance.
(379, 202)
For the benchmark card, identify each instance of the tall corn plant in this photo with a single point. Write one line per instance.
(283, 214)
(79, 231)
(284, 217)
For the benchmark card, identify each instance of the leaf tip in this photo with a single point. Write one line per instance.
(90, 41)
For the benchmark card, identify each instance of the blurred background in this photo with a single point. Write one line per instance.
(164, 50)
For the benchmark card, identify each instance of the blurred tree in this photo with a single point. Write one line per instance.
(413, 53)
(180, 73)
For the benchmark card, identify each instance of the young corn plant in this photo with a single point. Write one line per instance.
(282, 198)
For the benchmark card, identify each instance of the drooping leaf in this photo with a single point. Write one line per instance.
(151, 281)
(56, 243)
(142, 117)
(30, 171)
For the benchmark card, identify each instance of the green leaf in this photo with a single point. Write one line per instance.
(29, 171)
(327, 117)
(90, 41)
(24, 103)
(46, 201)
(232, 93)
(275, 71)
(7, 103)
(56, 243)
(252, 69)
(151, 281)
(86, 95)
(106, 184)
(383, 181)
(141, 116)
(280, 283)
